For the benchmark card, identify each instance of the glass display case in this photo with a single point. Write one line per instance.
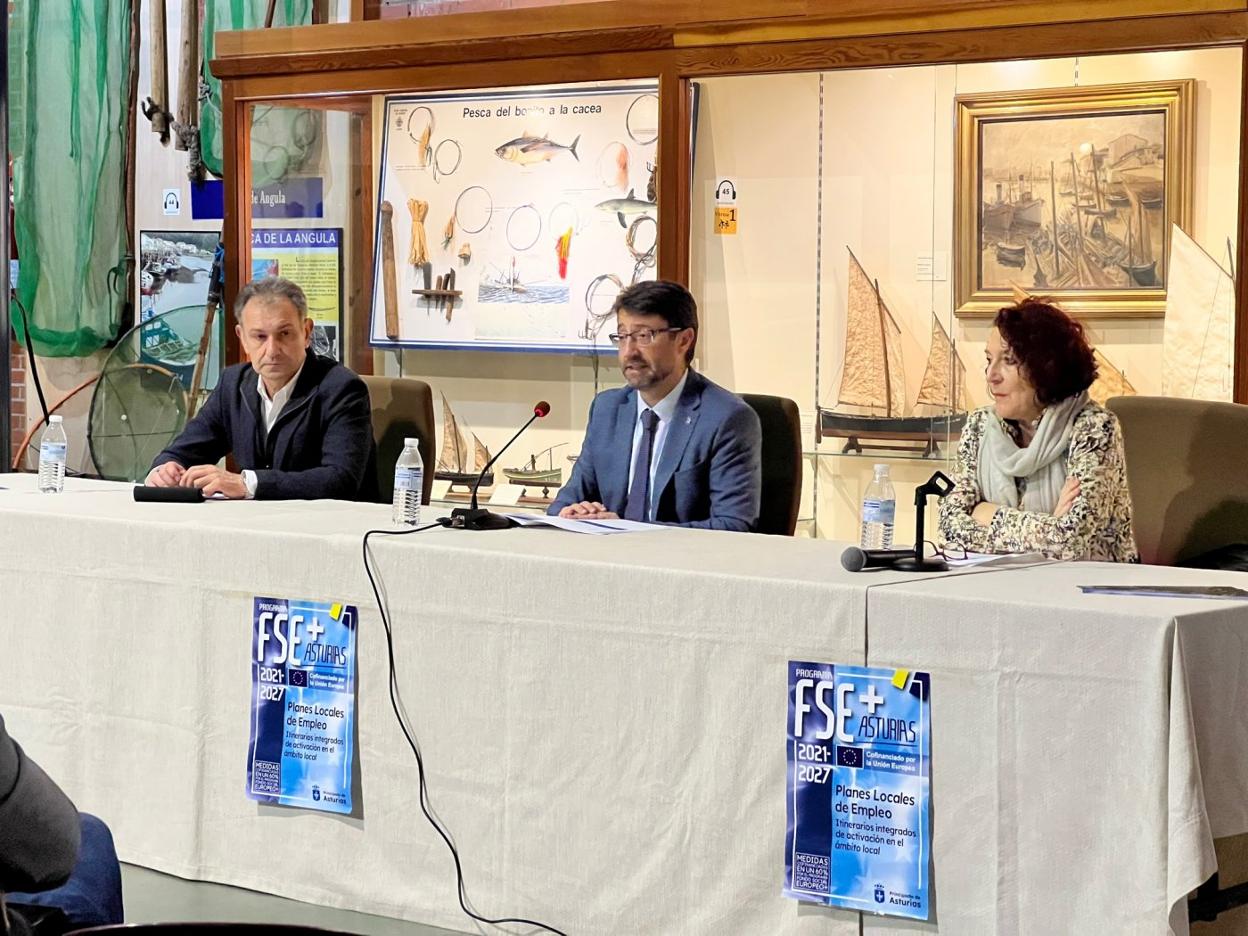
(846, 230)
(861, 229)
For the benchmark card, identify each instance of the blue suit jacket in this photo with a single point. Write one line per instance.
(709, 472)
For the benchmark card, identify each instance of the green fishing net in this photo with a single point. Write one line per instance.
(68, 85)
(282, 138)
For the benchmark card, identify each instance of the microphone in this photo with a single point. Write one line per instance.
(855, 559)
(477, 518)
(940, 486)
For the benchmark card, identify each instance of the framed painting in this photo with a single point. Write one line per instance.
(1071, 193)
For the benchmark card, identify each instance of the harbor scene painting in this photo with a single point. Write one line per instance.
(1074, 202)
(1071, 193)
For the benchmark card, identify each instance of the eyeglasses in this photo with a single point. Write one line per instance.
(950, 553)
(640, 337)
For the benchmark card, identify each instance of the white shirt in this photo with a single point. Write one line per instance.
(270, 409)
(665, 409)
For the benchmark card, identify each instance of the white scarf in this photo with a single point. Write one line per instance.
(1042, 463)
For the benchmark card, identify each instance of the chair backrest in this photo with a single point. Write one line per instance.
(402, 408)
(1185, 471)
(782, 462)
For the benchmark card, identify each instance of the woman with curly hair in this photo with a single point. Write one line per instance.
(1042, 468)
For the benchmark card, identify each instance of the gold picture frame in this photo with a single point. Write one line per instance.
(1070, 193)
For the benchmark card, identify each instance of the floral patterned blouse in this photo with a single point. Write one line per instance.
(1097, 526)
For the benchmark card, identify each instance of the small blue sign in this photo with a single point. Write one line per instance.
(303, 665)
(859, 767)
(208, 200)
(290, 198)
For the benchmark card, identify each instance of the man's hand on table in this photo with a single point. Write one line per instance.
(588, 510)
(213, 480)
(166, 475)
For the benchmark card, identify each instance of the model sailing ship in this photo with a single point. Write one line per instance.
(533, 476)
(1110, 381)
(458, 463)
(1197, 349)
(873, 380)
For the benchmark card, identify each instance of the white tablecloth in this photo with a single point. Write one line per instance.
(603, 717)
(1087, 748)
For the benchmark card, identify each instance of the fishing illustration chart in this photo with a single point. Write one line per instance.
(511, 220)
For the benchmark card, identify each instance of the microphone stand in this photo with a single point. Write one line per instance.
(940, 485)
(481, 518)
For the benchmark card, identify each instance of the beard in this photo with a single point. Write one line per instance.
(644, 376)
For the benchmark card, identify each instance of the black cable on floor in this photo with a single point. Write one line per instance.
(397, 704)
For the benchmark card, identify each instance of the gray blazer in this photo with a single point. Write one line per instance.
(39, 828)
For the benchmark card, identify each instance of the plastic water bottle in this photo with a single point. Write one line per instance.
(409, 478)
(879, 508)
(53, 451)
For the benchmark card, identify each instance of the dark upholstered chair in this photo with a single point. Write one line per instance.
(1185, 470)
(402, 408)
(782, 462)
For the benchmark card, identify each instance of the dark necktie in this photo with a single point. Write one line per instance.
(638, 507)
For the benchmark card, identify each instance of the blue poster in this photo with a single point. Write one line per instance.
(859, 765)
(302, 703)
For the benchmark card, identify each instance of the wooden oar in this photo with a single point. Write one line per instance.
(188, 77)
(389, 276)
(156, 106)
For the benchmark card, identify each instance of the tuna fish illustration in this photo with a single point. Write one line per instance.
(525, 150)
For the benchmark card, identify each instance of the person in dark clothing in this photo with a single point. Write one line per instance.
(299, 426)
(39, 832)
(58, 868)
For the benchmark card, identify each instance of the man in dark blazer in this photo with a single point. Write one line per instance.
(298, 425)
(671, 447)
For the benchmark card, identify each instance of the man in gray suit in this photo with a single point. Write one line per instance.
(671, 447)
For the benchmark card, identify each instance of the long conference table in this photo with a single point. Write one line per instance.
(603, 718)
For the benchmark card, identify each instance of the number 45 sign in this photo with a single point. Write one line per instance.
(726, 207)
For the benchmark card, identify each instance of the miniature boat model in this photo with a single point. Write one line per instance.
(873, 379)
(533, 476)
(455, 464)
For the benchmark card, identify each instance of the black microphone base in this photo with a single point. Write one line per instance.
(478, 518)
(926, 564)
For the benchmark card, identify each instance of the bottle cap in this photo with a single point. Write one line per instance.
(415, 442)
(881, 467)
(54, 420)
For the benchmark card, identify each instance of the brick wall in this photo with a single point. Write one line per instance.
(17, 359)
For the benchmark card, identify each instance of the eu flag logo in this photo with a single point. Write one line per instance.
(298, 677)
(848, 756)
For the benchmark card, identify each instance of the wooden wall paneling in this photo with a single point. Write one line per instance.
(414, 55)
(954, 16)
(551, 22)
(673, 182)
(696, 21)
(359, 354)
(955, 46)
(404, 80)
(236, 231)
